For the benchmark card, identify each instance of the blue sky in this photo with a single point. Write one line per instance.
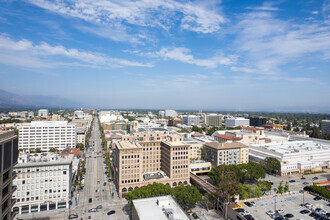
(220, 55)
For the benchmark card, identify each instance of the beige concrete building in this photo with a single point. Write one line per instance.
(195, 148)
(226, 153)
(8, 159)
(137, 164)
(200, 166)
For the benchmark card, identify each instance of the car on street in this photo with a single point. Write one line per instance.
(92, 210)
(109, 180)
(253, 203)
(73, 216)
(289, 215)
(306, 183)
(280, 211)
(104, 184)
(292, 181)
(246, 213)
(302, 178)
(315, 178)
(111, 212)
(195, 216)
(304, 211)
(270, 212)
(90, 200)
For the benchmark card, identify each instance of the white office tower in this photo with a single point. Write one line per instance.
(171, 113)
(47, 134)
(79, 113)
(43, 112)
(234, 122)
(191, 119)
(161, 114)
(43, 182)
(213, 120)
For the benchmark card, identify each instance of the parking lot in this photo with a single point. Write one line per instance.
(289, 203)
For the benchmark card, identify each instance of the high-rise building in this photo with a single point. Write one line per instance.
(43, 182)
(161, 114)
(47, 134)
(8, 159)
(191, 119)
(137, 164)
(213, 120)
(43, 112)
(226, 153)
(171, 113)
(325, 126)
(257, 121)
(234, 122)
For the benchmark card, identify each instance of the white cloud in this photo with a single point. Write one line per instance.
(26, 53)
(198, 17)
(184, 55)
(267, 42)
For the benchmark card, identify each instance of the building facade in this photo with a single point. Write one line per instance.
(171, 113)
(234, 122)
(43, 112)
(43, 183)
(325, 126)
(47, 134)
(213, 120)
(139, 163)
(8, 159)
(191, 119)
(257, 121)
(226, 153)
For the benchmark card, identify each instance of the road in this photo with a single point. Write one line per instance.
(97, 186)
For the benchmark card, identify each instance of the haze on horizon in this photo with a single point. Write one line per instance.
(209, 55)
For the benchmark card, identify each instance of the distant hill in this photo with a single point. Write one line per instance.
(9, 100)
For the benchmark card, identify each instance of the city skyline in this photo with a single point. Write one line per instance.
(214, 55)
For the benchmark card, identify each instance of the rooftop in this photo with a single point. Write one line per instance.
(227, 137)
(220, 146)
(253, 128)
(127, 145)
(160, 208)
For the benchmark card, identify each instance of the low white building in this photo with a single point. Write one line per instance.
(234, 122)
(160, 208)
(191, 119)
(171, 113)
(43, 112)
(79, 113)
(43, 182)
(295, 156)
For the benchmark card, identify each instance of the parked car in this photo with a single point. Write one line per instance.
(104, 184)
(253, 203)
(306, 183)
(99, 207)
(92, 210)
(270, 212)
(239, 210)
(280, 211)
(317, 198)
(73, 216)
(315, 178)
(248, 204)
(111, 212)
(302, 178)
(308, 205)
(248, 217)
(246, 213)
(304, 211)
(195, 216)
(292, 181)
(289, 215)
(90, 200)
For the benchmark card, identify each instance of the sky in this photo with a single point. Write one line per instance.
(160, 54)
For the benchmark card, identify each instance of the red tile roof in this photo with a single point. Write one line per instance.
(227, 137)
(253, 128)
(67, 151)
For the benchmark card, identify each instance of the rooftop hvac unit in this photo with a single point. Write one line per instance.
(169, 214)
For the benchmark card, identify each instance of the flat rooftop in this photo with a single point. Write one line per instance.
(221, 146)
(156, 208)
(127, 145)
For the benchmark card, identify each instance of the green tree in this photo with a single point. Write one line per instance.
(81, 146)
(186, 195)
(316, 133)
(183, 131)
(265, 186)
(280, 188)
(54, 150)
(286, 187)
(272, 165)
(197, 129)
(226, 186)
(38, 150)
(210, 200)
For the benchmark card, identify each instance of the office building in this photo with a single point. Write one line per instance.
(171, 113)
(161, 114)
(56, 117)
(295, 156)
(191, 119)
(175, 121)
(81, 136)
(257, 121)
(325, 126)
(43, 182)
(234, 122)
(8, 159)
(196, 147)
(137, 164)
(160, 208)
(213, 120)
(200, 166)
(43, 113)
(47, 134)
(226, 153)
(78, 113)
